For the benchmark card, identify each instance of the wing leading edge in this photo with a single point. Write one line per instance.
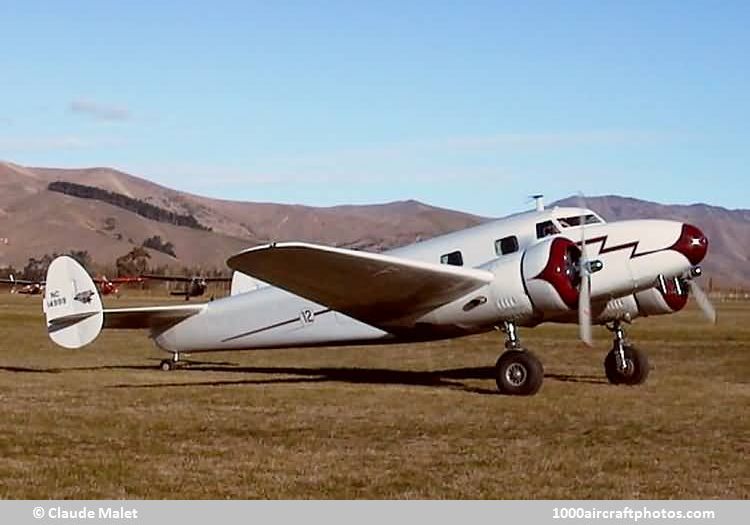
(380, 290)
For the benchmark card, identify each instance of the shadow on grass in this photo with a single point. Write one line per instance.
(570, 378)
(452, 378)
(373, 376)
(58, 370)
(449, 378)
(28, 370)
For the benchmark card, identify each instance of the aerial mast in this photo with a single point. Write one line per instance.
(539, 200)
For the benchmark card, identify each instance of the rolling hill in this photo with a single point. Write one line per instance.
(36, 221)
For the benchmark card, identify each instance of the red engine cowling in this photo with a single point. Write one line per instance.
(550, 274)
(657, 301)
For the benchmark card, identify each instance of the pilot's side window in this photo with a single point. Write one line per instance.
(506, 245)
(454, 258)
(544, 229)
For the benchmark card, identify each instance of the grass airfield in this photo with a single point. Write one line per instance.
(411, 421)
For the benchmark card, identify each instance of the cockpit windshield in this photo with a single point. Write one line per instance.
(571, 222)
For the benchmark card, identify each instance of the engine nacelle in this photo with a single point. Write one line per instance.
(669, 297)
(538, 284)
(550, 275)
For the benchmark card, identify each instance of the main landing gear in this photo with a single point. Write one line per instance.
(171, 364)
(517, 372)
(624, 364)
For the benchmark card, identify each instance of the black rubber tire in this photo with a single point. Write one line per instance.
(519, 373)
(636, 371)
(166, 365)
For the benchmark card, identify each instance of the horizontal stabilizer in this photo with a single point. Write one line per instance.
(154, 318)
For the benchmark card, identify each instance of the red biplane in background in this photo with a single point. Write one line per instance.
(110, 286)
(106, 286)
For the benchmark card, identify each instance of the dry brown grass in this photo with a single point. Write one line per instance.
(415, 421)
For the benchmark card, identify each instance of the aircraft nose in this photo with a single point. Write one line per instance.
(693, 244)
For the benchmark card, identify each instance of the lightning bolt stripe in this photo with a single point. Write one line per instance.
(632, 245)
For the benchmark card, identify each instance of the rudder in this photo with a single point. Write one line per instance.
(72, 304)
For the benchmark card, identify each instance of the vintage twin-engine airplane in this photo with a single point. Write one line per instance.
(194, 286)
(550, 265)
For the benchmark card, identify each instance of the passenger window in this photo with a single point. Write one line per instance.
(454, 258)
(506, 245)
(544, 229)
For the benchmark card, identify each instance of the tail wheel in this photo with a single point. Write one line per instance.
(636, 367)
(519, 373)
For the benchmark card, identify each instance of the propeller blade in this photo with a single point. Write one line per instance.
(584, 296)
(584, 310)
(704, 303)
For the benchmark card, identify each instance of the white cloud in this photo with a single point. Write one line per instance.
(98, 110)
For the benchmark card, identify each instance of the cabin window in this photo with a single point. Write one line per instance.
(506, 245)
(453, 258)
(546, 228)
(569, 222)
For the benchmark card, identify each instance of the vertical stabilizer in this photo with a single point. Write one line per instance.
(242, 283)
(71, 304)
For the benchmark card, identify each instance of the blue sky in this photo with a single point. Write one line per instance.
(467, 105)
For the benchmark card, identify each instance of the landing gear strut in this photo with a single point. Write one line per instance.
(170, 364)
(518, 371)
(624, 364)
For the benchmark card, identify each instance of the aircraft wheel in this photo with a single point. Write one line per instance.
(519, 373)
(636, 367)
(167, 365)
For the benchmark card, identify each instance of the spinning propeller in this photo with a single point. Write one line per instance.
(702, 300)
(584, 273)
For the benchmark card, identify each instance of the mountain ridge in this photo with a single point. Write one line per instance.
(37, 221)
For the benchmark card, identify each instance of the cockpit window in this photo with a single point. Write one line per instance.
(545, 229)
(570, 222)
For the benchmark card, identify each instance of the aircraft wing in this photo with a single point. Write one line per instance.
(176, 278)
(151, 317)
(118, 280)
(380, 290)
(21, 282)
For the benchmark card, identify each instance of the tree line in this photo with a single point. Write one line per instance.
(134, 263)
(137, 206)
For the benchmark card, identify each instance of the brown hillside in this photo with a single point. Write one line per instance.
(38, 221)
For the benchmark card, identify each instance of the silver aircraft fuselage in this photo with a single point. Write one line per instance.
(634, 254)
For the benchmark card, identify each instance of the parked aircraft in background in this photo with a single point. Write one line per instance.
(110, 286)
(106, 286)
(564, 265)
(27, 287)
(194, 286)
